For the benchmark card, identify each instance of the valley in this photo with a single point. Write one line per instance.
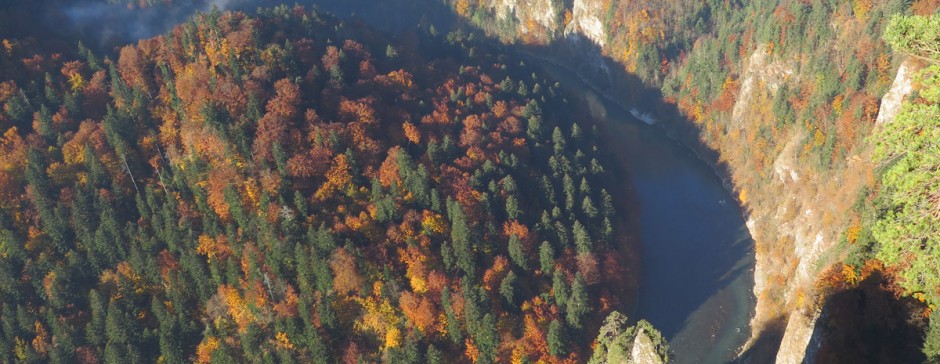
(737, 193)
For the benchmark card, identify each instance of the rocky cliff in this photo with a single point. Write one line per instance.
(618, 342)
(788, 118)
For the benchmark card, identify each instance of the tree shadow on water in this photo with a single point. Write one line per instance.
(711, 238)
(714, 244)
(699, 246)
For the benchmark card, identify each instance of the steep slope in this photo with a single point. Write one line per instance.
(786, 92)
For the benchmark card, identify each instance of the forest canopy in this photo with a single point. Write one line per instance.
(288, 187)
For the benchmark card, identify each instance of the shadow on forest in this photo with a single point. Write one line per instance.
(865, 324)
(685, 225)
(870, 324)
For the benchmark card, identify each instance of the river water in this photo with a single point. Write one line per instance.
(696, 253)
(697, 256)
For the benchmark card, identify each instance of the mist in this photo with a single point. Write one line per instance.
(102, 25)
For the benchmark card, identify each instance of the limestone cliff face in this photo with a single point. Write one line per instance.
(801, 337)
(900, 89)
(796, 218)
(798, 342)
(586, 21)
(759, 72)
(644, 350)
(792, 217)
(543, 12)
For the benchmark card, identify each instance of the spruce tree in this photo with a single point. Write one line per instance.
(453, 325)
(434, 355)
(517, 252)
(560, 288)
(487, 339)
(546, 257)
(507, 287)
(556, 338)
(587, 206)
(578, 302)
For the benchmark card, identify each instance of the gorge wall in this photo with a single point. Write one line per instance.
(785, 94)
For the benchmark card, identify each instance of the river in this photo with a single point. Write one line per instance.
(697, 256)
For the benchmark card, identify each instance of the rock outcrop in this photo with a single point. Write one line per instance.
(586, 21)
(900, 89)
(798, 339)
(644, 351)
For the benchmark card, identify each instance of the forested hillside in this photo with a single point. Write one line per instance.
(287, 187)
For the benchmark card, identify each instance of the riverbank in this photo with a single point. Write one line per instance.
(696, 253)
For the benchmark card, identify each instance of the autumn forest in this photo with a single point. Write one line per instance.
(469, 181)
(288, 187)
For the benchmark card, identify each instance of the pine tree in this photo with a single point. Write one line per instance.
(63, 350)
(568, 185)
(507, 286)
(94, 330)
(534, 128)
(607, 229)
(18, 109)
(560, 288)
(517, 252)
(318, 350)
(578, 303)
(434, 152)
(546, 257)
(487, 339)
(434, 355)
(390, 52)
(460, 236)
(576, 133)
(558, 141)
(588, 207)
(116, 326)
(607, 204)
(44, 121)
(512, 208)
(596, 167)
(506, 85)
(585, 187)
(522, 90)
(582, 239)
(170, 345)
(562, 233)
(556, 338)
(453, 325)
